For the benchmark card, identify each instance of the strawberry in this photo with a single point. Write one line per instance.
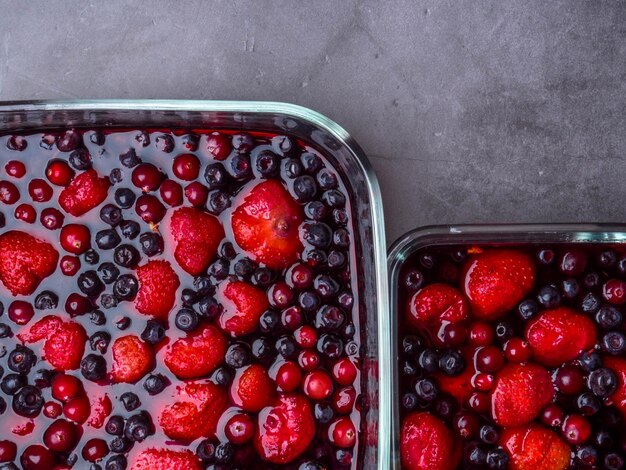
(157, 289)
(132, 359)
(252, 389)
(164, 459)
(198, 354)
(64, 343)
(494, 281)
(559, 335)
(243, 306)
(435, 304)
(618, 365)
(195, 413)
(197, 236)
(25, 261)
(427, 444)
(266, 225)
(534, 447)
(284, 430)
(85, 191)
(100, 409)
(519, 393)
(459, 386)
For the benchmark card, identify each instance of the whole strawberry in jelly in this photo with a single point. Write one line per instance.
(427, 444)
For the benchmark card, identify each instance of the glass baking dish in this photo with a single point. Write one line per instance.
(485, 235)
(301, 123)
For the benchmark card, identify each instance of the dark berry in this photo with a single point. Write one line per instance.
(28, 401)
(91, 257)
(263, 277)
(115, 425)
(588, 404)
(527, 309)
(124, 198)
(475, 456)
(186, 320)
(108, 301)
(267, 163)
(330, 345)
(206, 450)
(97, 317)
(570, 288)
(287, 347)
(590, 303)
(239, 167)
(237, 355)
(411, 345)
(93, 367)
(451, 363)
(218, 202)
(120, 445)
(283, 144)
(334, 198)
(155, 384)
(46, 300)
(126, 256)
(97, 138)
(318, 234)
(116, 176)
(329, 318)
(426, 389)
(153, 333)
(80, 159)
(224, 452)
(130, 229)
(129, 159)
(219, 269)
(573, 263)
(99, 341)
(11, 383)
(413, 280)
(164, 143)
(139, 427)
(323, 412)
(123, 323)
(549, 296)
(126, 287)
(90, 284)
(21, 359)
(497, 459)
(614, 342)
(111, 214)
(428, 360)
(304, 188)
(586, 455)
(311, 162)
(504, 332)
(263, 350)
(151, 243)
(608, 317)
(5, 330)
(209, 308)
(613, 461)
(215, 176)
(108, 272)
(602, 382)
(591, 280)
(130, 401)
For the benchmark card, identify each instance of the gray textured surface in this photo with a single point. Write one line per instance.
(474, 111)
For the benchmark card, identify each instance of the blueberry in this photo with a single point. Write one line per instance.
(151, 243)
(590, 303)
(186, 319)
(263, 277)
(91, 256)
(504, 332)
(165, 143)
(527, 309)
(603, 439)
(153, 333)
(283, 144)
(216, 176)
(28, 401)
(291, 168)
(309, 301)
(411, 345)
(107, 239)
(445, 407)
(111, 214)
(451, 363)
(334, 198)
(5, 330)
(80, 159)
(428, 360)
(3, 405)
(218, 201)
(21, 359)
(223, 376)
(591, 280)
(341, 238)
(270, 321)
(329, 318)
(304, 188)
(97, 138)
(237, 355)
(549, 296)
(108, 301)
(206, 450)
(130, 401)
(97, 317)
(129, 159)
(413, 280)
(242, 143)
(263, 350)
(607, 258)
(120, 445)
(326, 286)
(590, 360)
(99, 341)
(327, 179)
(155, 384)
(602, 382)
(311, 465)
(11, 383)
(586, 455)
(203, 285)
(46, 300)
(93, 367)
(614, 342)
(613, 461)
(224, 452)
(287, 347)
(126, 256)
(219, 269)
(588, 404)
(323, 412)
(608, 317)
(124, 198)
(409, 368)
(318, 234)
(427, 261)
(209, 308)
(336, 259)
(139, 427)
(116, 176)
(267, 163)
(90, 284)
(108, 272)
(570, 288)
(426, 389)
(239, 167)
(497, 459)
(330, 346)
(311, 162)
(126, 287)
(130, 229)
(475, 456)
(123, 323)
(244, 268)
(315, 210)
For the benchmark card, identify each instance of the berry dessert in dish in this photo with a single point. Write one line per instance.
(512, 357)
(176, 300)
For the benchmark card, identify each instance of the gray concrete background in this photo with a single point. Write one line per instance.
(470, 111)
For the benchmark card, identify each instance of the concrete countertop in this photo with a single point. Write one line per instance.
(470, 111)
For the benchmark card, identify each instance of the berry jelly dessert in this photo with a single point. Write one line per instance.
(176, 300)
(513, 357)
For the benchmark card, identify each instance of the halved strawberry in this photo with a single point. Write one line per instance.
(534, 447)
(243, 306)
(436, 303)
(618, 365)
(86, 191)
(266, 225)
(132, 359)
(197, 236)
(64, 343)
(100, 409)
(195, 412)
(157, 289)
(427, 444)
(285, 429)
(25, 261)
(519, 393)
(559, 335)
(165, 459)
(198, 354)
(252, 389)
(494, 281)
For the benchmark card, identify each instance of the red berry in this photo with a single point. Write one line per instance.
(146, 177)
(614, 291)
(51, 218)
(70, 265)
(489, 359)
(61, 436)
(17, 143)
(280, 295)
(77, 304)
(291, 318)
(552, 415)
(481, 334)
(52, 409)
(306, 336)
(517, 350)
(197, 194)
(569, 379)
(26, 212)
(317, 385)
(37, 457)
(573, 263)
(186, 166)
(343, 400)
(21, 312)
(239, 429)
(300, 275)
(95, 449)
(171, 193)
(344, 371)
(342, 433)
(59, 173)
(68, 141)
(466, 424)
(479, 402)
(65, 387)
(39, 190)
(15, 168)
(219, 146)
(149, 208)
(482, 382)
(288, 376)
(77, 409)
(451, 334)
(75, 238)
(8, 451)
(308, 360)
(9, 194)
(576, 429)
